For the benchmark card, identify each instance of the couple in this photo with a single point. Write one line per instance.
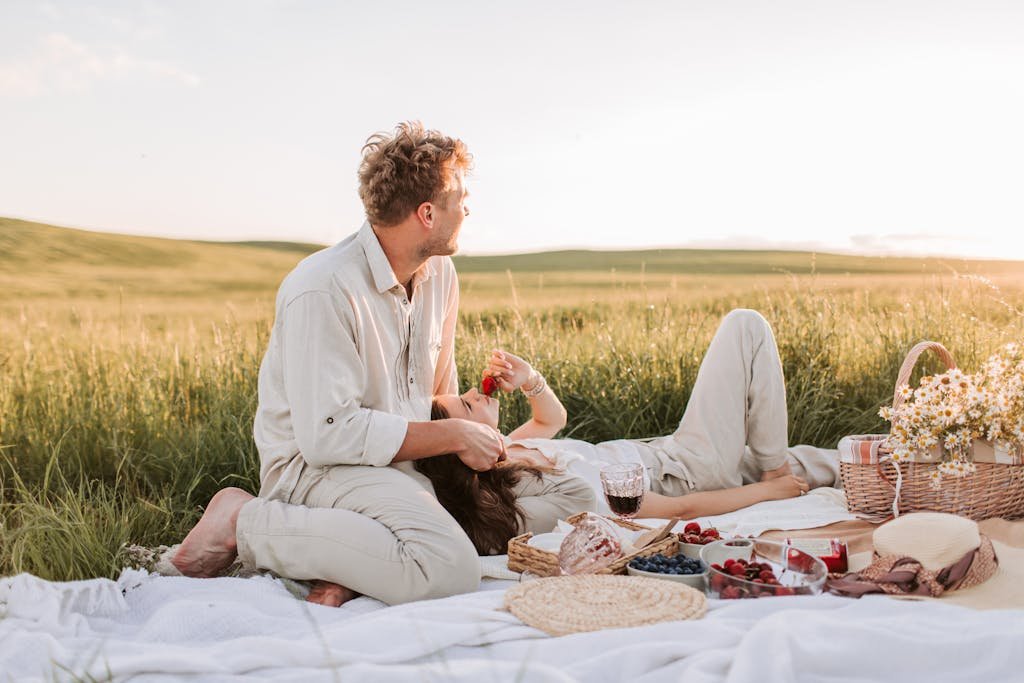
(354, 471)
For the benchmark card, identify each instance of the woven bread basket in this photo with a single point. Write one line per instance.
(523, 557)
(878, 489)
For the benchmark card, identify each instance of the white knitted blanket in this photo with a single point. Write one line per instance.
(146, 627)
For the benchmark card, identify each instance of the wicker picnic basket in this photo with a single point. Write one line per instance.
(523, 557)
(878, 489)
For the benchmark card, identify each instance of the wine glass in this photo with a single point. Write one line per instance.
(623, 487)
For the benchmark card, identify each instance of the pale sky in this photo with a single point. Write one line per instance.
(875, 127)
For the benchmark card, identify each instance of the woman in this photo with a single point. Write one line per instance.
(728, 452)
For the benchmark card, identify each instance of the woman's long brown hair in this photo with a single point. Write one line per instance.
(483, 503)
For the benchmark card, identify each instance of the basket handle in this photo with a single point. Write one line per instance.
(911, 360)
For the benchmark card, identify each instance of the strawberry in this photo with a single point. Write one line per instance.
(488, 386)
(692, 528)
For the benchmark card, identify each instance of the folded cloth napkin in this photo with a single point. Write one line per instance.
(496, 567)
(820, 507)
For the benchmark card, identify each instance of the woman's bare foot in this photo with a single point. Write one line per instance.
(768, 475)
(210, 547)
(330, 594)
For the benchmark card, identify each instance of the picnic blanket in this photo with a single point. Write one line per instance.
(146, 627)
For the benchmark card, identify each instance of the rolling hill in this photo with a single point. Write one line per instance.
(39, 260)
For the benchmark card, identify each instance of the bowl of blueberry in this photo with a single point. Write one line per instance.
(678, 568)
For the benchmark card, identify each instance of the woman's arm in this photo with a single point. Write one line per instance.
(511, 373)
(707, 503)
(529, 456)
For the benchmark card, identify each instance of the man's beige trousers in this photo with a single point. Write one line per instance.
(735, 423)
(382, 533)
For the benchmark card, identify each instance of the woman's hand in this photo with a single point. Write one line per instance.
(786, 486)
(508, 370)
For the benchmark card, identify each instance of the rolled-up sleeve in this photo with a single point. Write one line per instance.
(324, 382)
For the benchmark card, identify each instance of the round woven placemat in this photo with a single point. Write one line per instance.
(572, 604)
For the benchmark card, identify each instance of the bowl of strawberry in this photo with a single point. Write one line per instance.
(751, 568)
(694, 538)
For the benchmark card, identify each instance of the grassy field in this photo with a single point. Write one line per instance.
(128, 365)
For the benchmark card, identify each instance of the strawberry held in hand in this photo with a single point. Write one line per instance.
(488, 386)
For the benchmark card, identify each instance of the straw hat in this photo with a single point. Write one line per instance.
(928, 555)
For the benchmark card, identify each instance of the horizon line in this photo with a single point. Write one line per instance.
(795, 247)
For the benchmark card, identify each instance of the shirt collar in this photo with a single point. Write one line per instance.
(380, 268)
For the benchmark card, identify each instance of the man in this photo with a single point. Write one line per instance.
(364, 336)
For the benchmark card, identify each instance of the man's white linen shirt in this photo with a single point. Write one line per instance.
(352, 359)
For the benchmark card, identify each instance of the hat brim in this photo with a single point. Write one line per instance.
(1005, 590)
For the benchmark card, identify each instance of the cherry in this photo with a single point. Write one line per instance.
(737, 570)
(730, 593)
(488, 386)
(692, 528)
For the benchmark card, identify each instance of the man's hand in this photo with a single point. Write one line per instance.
(481, 446)
(510, 371)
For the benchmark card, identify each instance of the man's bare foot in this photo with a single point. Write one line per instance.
(330, 594)
(210, 547)
(768, 475)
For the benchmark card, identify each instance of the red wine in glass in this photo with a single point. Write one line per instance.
(623, 486)
(624, 506)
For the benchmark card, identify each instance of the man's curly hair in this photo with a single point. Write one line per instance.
(401, 171)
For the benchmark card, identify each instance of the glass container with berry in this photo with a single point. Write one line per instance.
(590, 547)
(752, 568)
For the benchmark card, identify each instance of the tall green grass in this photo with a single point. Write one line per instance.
(118, 429)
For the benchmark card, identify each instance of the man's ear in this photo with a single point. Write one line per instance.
(425, 212)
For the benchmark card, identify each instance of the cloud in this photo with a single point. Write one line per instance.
(868, 240)
(61, 64)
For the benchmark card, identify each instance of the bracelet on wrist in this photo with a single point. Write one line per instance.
(530, 383)
(539, 385)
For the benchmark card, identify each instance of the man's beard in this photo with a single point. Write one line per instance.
(445, 247)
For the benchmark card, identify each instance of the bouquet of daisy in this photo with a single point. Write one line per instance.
(943, 419)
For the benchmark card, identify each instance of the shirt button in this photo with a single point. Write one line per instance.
(330, 420)
(411, 381)
(405, 301)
